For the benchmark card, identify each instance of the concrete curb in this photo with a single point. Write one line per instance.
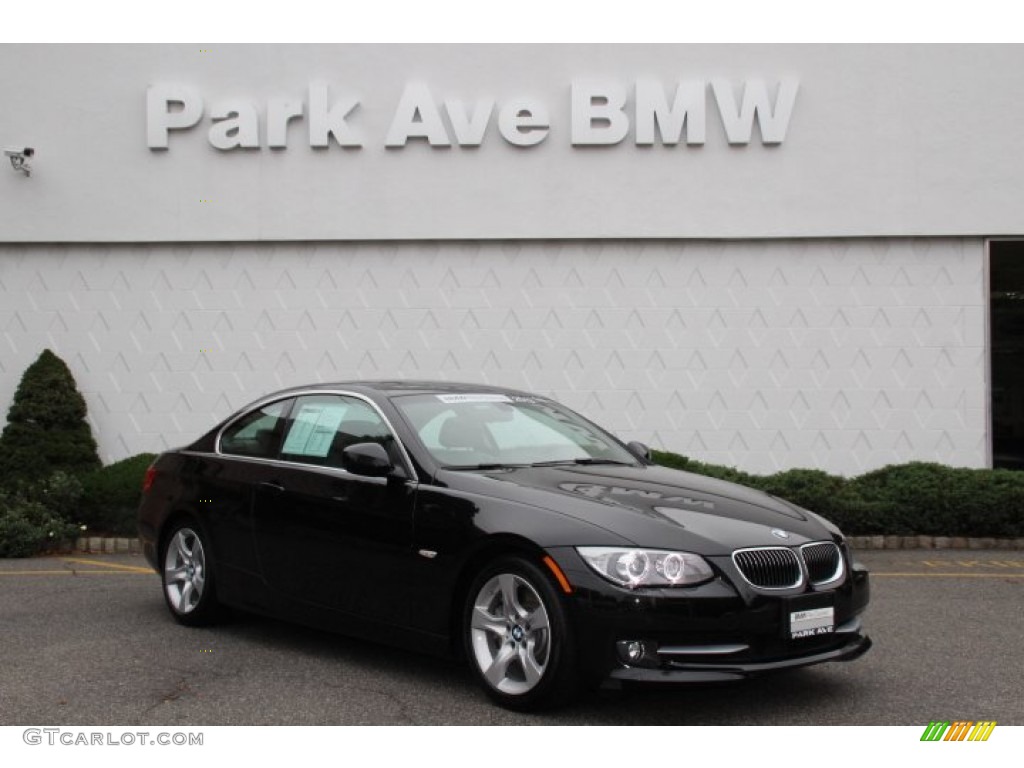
(100, 545)
(108, 545)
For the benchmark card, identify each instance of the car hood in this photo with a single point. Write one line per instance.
(653, 506)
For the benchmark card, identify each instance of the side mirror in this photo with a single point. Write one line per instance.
(639, 449)
(368, 459)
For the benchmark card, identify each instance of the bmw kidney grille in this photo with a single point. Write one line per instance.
(781, 567)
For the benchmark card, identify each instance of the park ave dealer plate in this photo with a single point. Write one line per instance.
(811, 622)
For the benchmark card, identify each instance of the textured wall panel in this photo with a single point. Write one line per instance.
(844, 355)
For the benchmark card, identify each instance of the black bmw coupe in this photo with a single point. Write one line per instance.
(462, 518)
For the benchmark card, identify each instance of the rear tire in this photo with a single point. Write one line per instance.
(517, 636)
(189, 586)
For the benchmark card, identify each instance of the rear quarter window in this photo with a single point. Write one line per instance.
(257, 433)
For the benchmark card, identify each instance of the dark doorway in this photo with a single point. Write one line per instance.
(1006, 284)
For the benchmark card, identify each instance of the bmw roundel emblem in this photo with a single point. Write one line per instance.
(779, 533)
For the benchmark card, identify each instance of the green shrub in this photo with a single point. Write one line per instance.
(914, 497)
(933, 499)
(60, 493)
(111, 496)
(857, 517)
(902, 500)
(35, 519)
(46, 428)
(809, 488)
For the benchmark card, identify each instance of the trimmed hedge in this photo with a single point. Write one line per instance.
(900, 500)
(110, 497)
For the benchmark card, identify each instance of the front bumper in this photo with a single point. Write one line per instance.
(718, 631)
(851, 644)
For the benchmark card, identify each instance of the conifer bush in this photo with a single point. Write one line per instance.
(46, 428)
(44, 449)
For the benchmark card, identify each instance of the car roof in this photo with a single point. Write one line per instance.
(390, 387)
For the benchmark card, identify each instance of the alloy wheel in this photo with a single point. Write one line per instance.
(510, 634)
(185, 571)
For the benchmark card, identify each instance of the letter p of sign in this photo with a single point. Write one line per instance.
(170, 107)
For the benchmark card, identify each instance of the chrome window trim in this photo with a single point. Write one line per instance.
(410, 470)
(801, 568)
(285, 464)
(839, 572)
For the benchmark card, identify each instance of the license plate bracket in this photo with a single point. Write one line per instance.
(810, 616)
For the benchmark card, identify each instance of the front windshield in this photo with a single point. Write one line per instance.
(481, 430)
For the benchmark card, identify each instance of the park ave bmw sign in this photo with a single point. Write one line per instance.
(602, 114)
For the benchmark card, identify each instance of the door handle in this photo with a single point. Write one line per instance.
(273, 487)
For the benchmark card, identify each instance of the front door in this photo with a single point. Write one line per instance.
(326, 536)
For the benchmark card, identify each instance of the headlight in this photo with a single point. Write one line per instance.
(646, 567)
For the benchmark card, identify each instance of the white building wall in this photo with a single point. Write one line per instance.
(839, 354)
(883, 141)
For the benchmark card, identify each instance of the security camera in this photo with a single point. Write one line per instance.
(20, 159)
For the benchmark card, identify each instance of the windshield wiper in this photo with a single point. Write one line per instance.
(558, 463)
(486, 466)
(583, 462)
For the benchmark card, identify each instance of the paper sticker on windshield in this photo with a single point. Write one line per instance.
(474, 398)
(313, 429)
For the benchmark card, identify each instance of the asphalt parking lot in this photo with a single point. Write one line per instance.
(87, 641)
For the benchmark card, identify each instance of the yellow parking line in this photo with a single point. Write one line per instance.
(103, 564)
(70, 572)
(955, 575)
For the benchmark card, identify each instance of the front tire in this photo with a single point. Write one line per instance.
(187, 576)
(517, 636)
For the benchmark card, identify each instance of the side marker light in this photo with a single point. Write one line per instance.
(562, 581)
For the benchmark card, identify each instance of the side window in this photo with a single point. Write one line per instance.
(321, 427)
(257, 433)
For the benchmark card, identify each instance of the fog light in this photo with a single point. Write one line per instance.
(634, 650)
